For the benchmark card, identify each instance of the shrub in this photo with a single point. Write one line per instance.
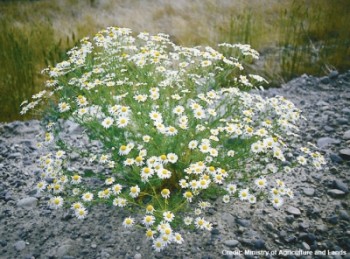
(176, 129)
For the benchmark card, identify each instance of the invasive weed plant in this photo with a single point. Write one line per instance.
(175, 126)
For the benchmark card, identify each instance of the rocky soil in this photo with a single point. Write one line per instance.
(317, 219)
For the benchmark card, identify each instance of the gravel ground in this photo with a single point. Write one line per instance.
(317, 219)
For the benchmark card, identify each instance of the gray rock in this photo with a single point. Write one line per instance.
(259, 244)
(333, 74)
(304, 225)
(325, 80)
(3, 243)
(270, 226)
(231, 243)
(63, 250)
(345, 153)
(338, 184)
(243, 222)
(335, 158)
(15, 155)
(28, 143)
(137, 256)
(228, 219)
(322, 103)
(215, 231)
(343, 121)
(290, 239)
(326, 141)
(309, 238)
(346, 111)
(305, 246)
(336, 193)
(8, 196)
(346, 135)
(322, 228)
(247, 241)
(333, 219)
(344, 215)
(293, 211)
(28, 202)
(73, 128)
(309, 191)
(30, 127)
(290, 218)
(19, 245)
(328, 128)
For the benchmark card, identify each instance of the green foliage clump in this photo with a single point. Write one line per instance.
(176, 130)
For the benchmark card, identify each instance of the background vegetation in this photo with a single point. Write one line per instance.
(294, 37)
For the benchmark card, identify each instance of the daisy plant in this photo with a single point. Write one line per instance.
(173, 128)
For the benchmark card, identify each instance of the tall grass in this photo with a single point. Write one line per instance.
(17, 71)
(294, 37)
(23, 54)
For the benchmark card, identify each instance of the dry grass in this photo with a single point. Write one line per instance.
(293, 36)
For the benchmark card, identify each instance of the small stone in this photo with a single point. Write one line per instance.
(294, 211)
(14, 155)
(304, 225)
(346, 135)
(63, 250)
(20, 245)
(243, 222)
(326, 141)
(28, 202)
(335, 158)
(259, 244)
(138, 256)
(335, 193)
(8, 196)
(328, 128)
(344, 215)
(322, 103)
(231, 243)
(228, 218)
(305, 246)
(322, 228)
(290, 239)
(309, 191)
(67, 216)
(333, 219)
(73, 128)
(282, 234)
(215, 231)
(343, 121)
(345, 153)
(3, 243)
(93, 245)
(346, 111)
(290, 218)
(338, 184)
(325, 80)
(333, 74)
(270, 226)
(246, 241)
(309, 238)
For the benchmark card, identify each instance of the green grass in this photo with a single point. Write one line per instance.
(294, 37)
(23, 54)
